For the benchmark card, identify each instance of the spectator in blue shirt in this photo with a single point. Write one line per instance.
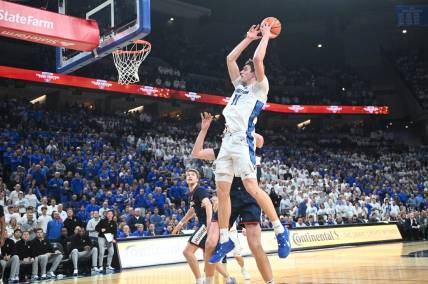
(139, 232)
(126, 233)
(92, 206)
(160, 198)
(140, 200)
(77, 184)
(37, 174)
(155, 218)
(55, 185)
(53, 231)
(81, 214)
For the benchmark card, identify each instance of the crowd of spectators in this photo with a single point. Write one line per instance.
(414, 66)
(68, 168)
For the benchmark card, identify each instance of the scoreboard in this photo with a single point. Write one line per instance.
(412, 15)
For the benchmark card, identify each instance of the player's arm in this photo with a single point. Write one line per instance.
(259, 54)
(259, 140)
(232, 66)
(198, 151)
(189, 215)
(206, 203)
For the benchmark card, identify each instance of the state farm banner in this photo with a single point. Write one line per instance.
(165, 93)
(40, 26)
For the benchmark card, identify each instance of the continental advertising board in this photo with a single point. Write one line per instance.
(168, 250)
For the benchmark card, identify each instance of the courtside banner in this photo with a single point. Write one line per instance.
(40, 26)
(165, 93)
(169, 250)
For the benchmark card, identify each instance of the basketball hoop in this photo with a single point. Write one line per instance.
(128, 61)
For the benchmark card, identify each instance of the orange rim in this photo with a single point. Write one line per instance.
(139, 41)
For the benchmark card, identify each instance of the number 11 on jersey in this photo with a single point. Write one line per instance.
(235, 100)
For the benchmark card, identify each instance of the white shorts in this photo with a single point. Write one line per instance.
(237, 157)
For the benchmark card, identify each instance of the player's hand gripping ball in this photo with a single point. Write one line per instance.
(275, 25)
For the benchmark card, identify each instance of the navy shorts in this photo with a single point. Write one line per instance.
(244, 208)
(199, 237)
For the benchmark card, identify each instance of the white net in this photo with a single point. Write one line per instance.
(128, 61)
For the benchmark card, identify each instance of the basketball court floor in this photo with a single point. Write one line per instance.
(384, 263)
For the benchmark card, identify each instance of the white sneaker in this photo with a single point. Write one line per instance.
(246, 274)
(109, 268)
(51, 275)
(75, 273)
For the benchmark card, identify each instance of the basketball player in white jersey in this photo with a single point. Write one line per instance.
(244, 209)
(237, 153)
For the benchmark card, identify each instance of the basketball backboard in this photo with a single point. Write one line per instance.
(120, 22)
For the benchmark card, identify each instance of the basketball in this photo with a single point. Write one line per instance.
(275, 26)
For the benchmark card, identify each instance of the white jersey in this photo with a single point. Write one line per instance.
(245, 105)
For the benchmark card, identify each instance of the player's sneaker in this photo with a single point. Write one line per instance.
(231, 280)
(245, 274)
(221, 250)
(284, 245)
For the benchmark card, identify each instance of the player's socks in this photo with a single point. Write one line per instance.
(224, 235)
(200, 280)
(209, 280)
(278, 227)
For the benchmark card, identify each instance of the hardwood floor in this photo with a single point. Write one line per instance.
(385, 263)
